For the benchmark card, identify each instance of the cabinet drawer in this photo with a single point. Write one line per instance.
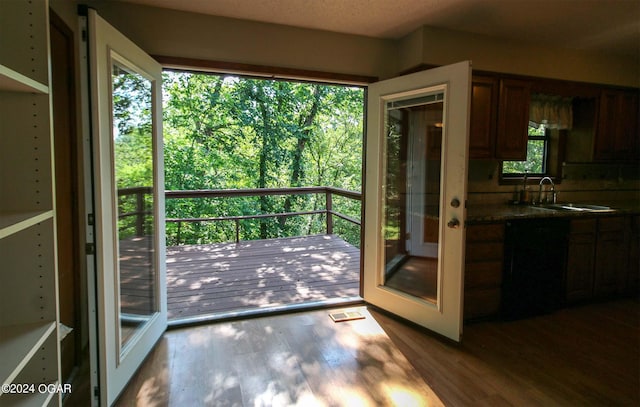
(484, 233)
(611, 224)
(484, 252)
(483, 274)
(583, 225)
(582, 238)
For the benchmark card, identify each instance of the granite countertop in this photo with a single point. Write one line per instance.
(493, 213)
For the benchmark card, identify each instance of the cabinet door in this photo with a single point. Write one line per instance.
(513, 120)
(611, 257)
(483, 270)
(580, 259)
(604, 145)
(617, 131)
(628, 137)
(484, 95)
(633, 278)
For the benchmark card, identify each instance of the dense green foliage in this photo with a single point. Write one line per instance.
(231, 133)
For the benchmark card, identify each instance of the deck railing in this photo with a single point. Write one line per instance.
(328, 210)
(138, 209)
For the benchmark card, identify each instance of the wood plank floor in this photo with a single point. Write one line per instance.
(583, 356)
(231, 277)
(302, 359)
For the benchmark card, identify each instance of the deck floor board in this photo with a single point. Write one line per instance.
(216, 278)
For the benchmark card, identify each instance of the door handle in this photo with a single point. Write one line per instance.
(453, 223)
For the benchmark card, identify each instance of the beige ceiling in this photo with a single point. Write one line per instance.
(600, 25)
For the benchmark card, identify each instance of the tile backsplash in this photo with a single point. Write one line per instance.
(581, 182)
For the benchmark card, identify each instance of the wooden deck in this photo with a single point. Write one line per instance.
(235, 277)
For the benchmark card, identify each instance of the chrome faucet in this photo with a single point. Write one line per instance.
(553, 191)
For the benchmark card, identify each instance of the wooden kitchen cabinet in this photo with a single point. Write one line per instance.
(617, 134)
(513, 120)
(610, 275)
(483, 270)
(482, 131)
(580, 259)
(633, 278)
(597, 258)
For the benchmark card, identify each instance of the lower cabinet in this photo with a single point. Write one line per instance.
(580, 259)
(602, 258)
(633, 279)
(603, 261)
(610, 275)
(483, 270)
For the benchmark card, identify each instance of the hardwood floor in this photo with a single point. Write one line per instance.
(583, 356)
(298, 359)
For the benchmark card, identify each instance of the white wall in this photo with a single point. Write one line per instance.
(434, 46)
(189, 35)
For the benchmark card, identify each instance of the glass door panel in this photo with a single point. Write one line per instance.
(412, 194)
(133, 172)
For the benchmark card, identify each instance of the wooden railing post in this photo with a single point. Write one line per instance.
(329, 211)
(178, 234)
(140, 212)
(237, 222)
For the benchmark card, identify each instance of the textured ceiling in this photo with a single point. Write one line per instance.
(601, 25)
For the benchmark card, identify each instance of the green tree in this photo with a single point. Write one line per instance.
(230, 132)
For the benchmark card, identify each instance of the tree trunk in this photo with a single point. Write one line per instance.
(264, 154)
(304, 135)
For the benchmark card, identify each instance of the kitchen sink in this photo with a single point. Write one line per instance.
(577, 207)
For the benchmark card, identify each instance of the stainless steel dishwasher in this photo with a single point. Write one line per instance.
(534, 267)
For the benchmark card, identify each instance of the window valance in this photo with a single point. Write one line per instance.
(551, 111)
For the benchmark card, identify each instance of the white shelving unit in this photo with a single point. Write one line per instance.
(29, 345)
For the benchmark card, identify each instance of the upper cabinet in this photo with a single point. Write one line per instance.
(606, 118)
(617, 137)
(499, 118)
(482, 132)
(513, 119)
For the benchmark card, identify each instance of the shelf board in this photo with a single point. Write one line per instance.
(14, 222)
(18, 344)
(28, 400)
(12, 81)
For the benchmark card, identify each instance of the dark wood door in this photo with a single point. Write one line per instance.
(63, 95)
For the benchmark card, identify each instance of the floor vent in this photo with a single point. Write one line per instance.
(342, 316)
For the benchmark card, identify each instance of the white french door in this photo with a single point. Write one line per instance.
(415, 189)
(129, 308)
